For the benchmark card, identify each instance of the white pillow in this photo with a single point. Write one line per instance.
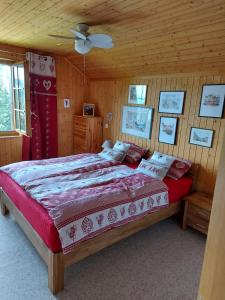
(107, 144)
(152, 169)
(112, 154)
(121, 146)
(162, 159)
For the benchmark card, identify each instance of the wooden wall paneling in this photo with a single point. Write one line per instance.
(70, 84)
(192, 84)
(192, 116)
(213, 272)
(10, 149)
(181, 138)
(187, 115)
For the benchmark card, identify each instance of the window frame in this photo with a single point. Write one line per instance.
(14, 131)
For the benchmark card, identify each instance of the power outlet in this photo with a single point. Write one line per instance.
(66, 103)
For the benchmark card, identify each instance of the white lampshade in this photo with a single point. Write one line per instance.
(82, 46)
(107, 144)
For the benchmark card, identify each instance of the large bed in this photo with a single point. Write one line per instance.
(41, 229)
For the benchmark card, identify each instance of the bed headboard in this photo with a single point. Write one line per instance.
(193, 173)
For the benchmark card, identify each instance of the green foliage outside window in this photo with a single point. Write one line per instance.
(12, 98)
(6, 113)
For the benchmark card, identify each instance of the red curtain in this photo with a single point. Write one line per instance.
(43, 104)
(25, 147)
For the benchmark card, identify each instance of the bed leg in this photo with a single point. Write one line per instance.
(3, 208)
(55, 272)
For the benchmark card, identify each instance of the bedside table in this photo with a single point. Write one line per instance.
(197, 211)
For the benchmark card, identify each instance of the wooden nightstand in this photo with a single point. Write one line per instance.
(197, 211)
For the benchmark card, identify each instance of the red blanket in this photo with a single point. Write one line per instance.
(85, 196)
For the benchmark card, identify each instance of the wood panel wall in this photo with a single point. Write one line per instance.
(111, 95)
(70, 84)
(10, 149)
(213, 271)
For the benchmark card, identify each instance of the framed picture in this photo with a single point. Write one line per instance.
(137, 121)
(168, 130)
(137, 94)
(212, 101)
(201, 137)
(171, 102)
(88, 109)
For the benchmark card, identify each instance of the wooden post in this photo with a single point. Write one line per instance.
(213, 272)
(55, 272)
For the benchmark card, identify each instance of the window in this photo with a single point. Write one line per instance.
(12, 98)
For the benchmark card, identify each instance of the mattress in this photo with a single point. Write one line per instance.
(38, 217)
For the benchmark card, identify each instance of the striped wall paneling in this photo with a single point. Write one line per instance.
(111, 95)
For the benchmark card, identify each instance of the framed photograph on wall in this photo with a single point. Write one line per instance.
(201, 137)
(168, 130)
(88, 109)
(171, 102)
(212, 101)
(137, 94)
(137, 120)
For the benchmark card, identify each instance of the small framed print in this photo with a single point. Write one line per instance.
(168, 130)
(201, 137)
(212, 101)
(88, 109)
(171, 102)
(137, 94)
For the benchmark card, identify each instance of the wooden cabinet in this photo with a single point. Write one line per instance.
(197, 211)
(87, 134)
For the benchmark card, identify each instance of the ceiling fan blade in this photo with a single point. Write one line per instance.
(79, 34)
(61, 37)
(101, 40)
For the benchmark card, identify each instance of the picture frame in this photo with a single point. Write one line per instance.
(137, 121)
(88, 109)
(201, 137)
(212, 101)
(171, 102)
(137, 94)
(168, 130)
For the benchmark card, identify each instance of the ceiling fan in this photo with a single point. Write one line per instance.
(84, 41)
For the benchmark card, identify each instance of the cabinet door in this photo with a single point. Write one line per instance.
(80, 135)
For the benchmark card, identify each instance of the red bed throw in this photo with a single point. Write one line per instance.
(86, 194)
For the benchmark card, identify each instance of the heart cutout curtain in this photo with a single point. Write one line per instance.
(43, 104)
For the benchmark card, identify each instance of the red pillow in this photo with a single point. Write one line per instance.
(135, 153)
(178, 168)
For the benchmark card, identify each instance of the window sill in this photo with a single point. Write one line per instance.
(8, 134)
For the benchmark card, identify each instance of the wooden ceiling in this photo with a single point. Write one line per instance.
(150, 36)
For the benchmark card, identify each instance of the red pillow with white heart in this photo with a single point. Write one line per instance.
(179, 168)
(135, 153)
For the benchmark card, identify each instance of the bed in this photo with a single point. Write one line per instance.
(41, 230)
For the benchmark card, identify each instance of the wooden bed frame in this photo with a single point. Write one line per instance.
(57, 262)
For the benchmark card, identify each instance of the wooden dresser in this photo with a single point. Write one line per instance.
(87, 134)
(197, 211)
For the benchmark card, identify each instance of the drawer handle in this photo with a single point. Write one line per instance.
(201, 226)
